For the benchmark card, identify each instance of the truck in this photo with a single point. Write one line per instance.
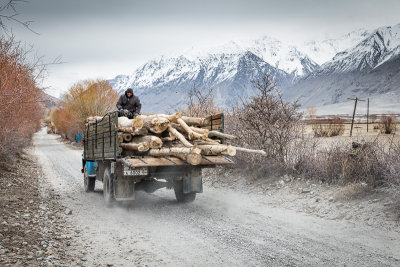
(123, 174)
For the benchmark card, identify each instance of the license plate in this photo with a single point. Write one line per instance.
(128, 171)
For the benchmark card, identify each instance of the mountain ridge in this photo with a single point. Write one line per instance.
(369, 58)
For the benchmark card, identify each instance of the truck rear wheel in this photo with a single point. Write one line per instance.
(180, 196)
(108, 187)
(88, 182)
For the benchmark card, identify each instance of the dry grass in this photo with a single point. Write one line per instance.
(328, 127)
(352, 191)
(387, 124)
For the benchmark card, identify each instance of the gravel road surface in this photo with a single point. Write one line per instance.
(221, 228)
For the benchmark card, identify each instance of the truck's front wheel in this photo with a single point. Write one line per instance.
(108, 187)
(180, 195)
(88, 182)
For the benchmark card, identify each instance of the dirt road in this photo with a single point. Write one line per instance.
(221, 228)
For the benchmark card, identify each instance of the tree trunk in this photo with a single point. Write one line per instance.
(190, 155)
(93, 118)
(153, 123)
(141, 147)
(226, 150)
(191, 134)
(133, 131)
(254, 151)
(120, 138)
(124, 122)
(192, 121)
(179, 136)
(139, 121)
(200, 130)
(151, 140)
(221, 135)
(208, 141)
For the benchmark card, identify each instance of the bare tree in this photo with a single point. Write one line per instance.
(266, 121)
(9, 13)
(200, 103)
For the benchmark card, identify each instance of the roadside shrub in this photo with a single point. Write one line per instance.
(373, 118)
(392, 169)
(328, 127)
(265, 122)
(200, 104)
(387, 124)
(20, 97)
(340, 163)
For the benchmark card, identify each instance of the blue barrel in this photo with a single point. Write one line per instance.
(78, 137)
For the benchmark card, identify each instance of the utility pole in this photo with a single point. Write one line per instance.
(367, 113)
(354, 113)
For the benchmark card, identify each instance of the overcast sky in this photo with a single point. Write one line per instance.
(100, 39)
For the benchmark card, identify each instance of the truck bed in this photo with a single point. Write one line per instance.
(174, 161)
(101, 143)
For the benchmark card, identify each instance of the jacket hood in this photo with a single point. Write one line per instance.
(129, 90)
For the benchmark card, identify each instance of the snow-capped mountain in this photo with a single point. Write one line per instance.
(361, 63)
(380, 46)
(369, 69)
(281, 55)
(278, 54)
(163, 85)
(324, 51)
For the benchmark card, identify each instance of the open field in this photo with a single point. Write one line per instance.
(359, 134)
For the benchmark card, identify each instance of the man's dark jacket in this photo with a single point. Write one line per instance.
(132, 104)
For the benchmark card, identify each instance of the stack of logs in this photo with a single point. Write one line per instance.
(174, 135)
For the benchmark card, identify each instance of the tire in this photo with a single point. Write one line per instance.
(108, 187)
(88, 182)
(180, 196)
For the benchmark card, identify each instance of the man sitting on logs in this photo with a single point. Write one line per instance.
(128, 104)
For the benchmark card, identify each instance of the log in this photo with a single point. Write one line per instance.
(226, 150)
(168, 139)
(179, 136)
(204, 142)
(192, 121)
(200, 130)
(132, 131)
(93, 118)
(192, 159)
(221, 135)
(120, 138)
(127, 137)
(139, 121)
(124, 122)
(213, 140)
(141, 147)
(254, 151)
(190, 155)
(173, 117)
(153, 123)
(151, 140)
(191, 134)
(207, 141)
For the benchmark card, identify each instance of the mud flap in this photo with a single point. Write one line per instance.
(193, 184)
(124, 189)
